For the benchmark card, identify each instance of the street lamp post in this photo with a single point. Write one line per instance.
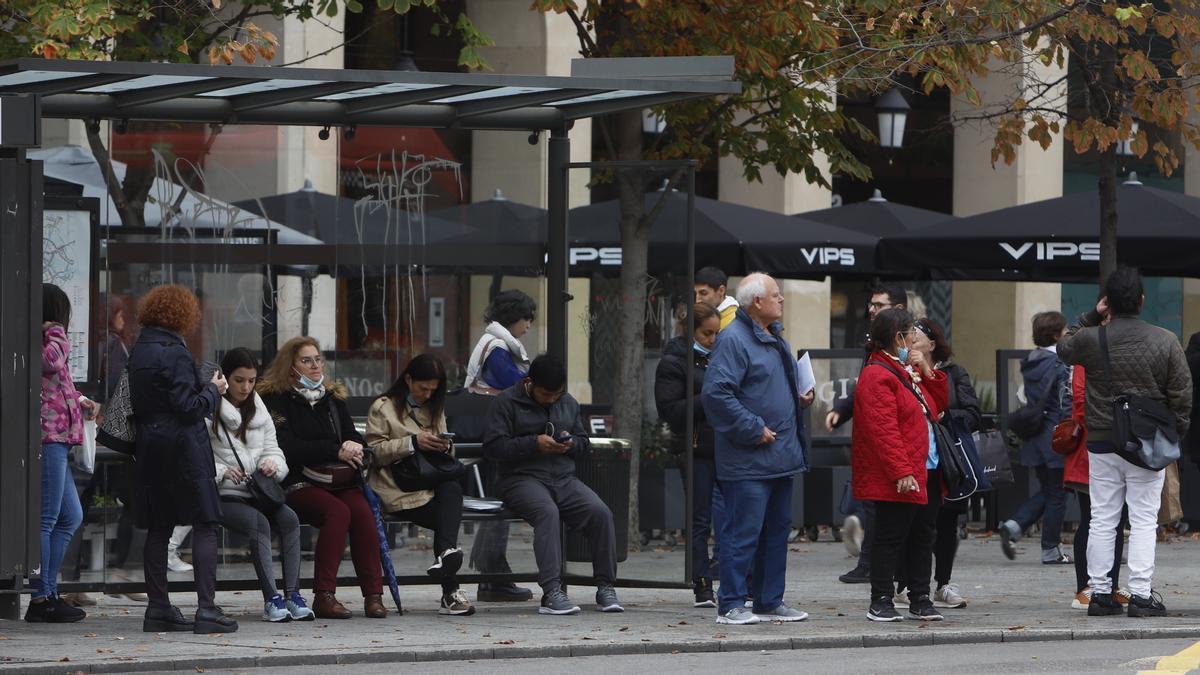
(893, 116)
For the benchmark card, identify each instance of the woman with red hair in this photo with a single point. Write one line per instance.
(178, 478)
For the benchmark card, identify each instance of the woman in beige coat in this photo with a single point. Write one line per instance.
(411, 418)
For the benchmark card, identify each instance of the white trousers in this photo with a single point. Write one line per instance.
(1113, 482)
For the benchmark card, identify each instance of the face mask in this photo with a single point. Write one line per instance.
(309, 383)
(902, 354)
(701, 349)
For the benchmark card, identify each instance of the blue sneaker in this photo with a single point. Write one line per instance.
(297, 608)
(275, 610)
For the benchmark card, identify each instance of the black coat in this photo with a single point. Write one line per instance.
(174, 457)
(964, 402)
(307, 433)
(670, 396)
(515, 422)
(1191, 442)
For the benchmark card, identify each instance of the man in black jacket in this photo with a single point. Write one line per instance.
(534, 431)
(857, 526)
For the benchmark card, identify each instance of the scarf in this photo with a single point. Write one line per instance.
(313, 396)
(493, 336)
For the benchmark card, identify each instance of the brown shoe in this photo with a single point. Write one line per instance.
(326, 606)
(373, 606)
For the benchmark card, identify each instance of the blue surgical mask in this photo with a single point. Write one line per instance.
(701, 349)
(309, 383)
(902, 354)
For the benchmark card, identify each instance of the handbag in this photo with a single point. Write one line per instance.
(994, 460)
(1143, 429)
(959, 473)
(425, 470)
(118, 431)
(332, 476)
(264, 490)
(1067, 436)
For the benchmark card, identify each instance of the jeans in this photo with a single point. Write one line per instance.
(708, 513)
(242, 516)
(1049, 504)
(1081, 544)
(758, 519)
(1112, 484)
(61, 514)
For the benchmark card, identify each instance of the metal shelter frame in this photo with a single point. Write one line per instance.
(119, 91)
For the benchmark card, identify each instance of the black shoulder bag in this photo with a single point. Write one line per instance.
(957, 469)
(1143, 429)
(1030, 419)
(264, 490)
(425, 469)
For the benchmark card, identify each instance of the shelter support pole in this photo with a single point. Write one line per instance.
(20, 360)
(558, 262)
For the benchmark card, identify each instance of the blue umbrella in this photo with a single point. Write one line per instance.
(384, 552)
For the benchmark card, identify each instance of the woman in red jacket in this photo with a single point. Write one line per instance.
(895, 461)
(1075, 478)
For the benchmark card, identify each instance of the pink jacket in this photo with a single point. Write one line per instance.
(62, 420)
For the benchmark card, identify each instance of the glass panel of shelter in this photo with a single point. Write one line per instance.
(370, 319)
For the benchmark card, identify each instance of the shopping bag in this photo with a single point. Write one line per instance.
(993, 454)
(85, 454)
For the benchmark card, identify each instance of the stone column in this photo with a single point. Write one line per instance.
(996, 315)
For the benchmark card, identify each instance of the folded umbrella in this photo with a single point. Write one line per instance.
(385, 554)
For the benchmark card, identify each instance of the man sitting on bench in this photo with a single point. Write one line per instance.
(533, 433)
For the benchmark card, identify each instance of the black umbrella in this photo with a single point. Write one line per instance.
(735, 238)
(878, 217)
(1056, 239)
(497, 221)
(341, 220)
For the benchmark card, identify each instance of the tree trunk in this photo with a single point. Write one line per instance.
(631, 328)
(130, 216)
(1108, 213)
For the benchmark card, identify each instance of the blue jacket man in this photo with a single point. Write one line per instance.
(752, 400)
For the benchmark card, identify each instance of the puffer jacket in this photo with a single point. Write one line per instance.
(891, 433)
(390, 438)
(1146, 360)
(670, 396)
(62, 420)
(260, 446)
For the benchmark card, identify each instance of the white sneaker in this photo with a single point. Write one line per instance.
(176, 564)
(947, 597)
(275, 610)
(901, 599)
(852, 535)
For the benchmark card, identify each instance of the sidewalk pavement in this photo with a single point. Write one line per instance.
(1015, 601)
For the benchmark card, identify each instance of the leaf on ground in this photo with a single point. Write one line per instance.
(506, 642)
(89, 635)
(5, 637)
(622, 629)
(199, 669)
(64, 659)
(720, 636)
(1015, 628)
(104, 650)
(683, 623)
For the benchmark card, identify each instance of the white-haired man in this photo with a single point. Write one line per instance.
(752, 400)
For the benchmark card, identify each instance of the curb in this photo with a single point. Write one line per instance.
(774, 644)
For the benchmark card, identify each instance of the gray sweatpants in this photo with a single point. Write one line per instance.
(547, 504)
(249, 521)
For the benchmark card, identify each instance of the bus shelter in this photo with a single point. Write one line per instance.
(33, 89)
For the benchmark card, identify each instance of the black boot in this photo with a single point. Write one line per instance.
(704, 593)
(213, 620)
(169, 620)
(508, 592)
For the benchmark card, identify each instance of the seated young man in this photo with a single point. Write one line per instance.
(533, 432)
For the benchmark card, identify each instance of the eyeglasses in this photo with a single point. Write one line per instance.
(311, 361)
(880, 305)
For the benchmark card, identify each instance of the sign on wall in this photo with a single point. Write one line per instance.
(67, 263)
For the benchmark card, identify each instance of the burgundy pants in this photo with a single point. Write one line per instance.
(337, 514)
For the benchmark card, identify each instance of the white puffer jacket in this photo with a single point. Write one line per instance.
(260, 445)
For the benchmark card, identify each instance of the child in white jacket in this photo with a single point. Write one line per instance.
(243, 442)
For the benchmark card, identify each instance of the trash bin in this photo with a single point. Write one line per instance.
(604, 467)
